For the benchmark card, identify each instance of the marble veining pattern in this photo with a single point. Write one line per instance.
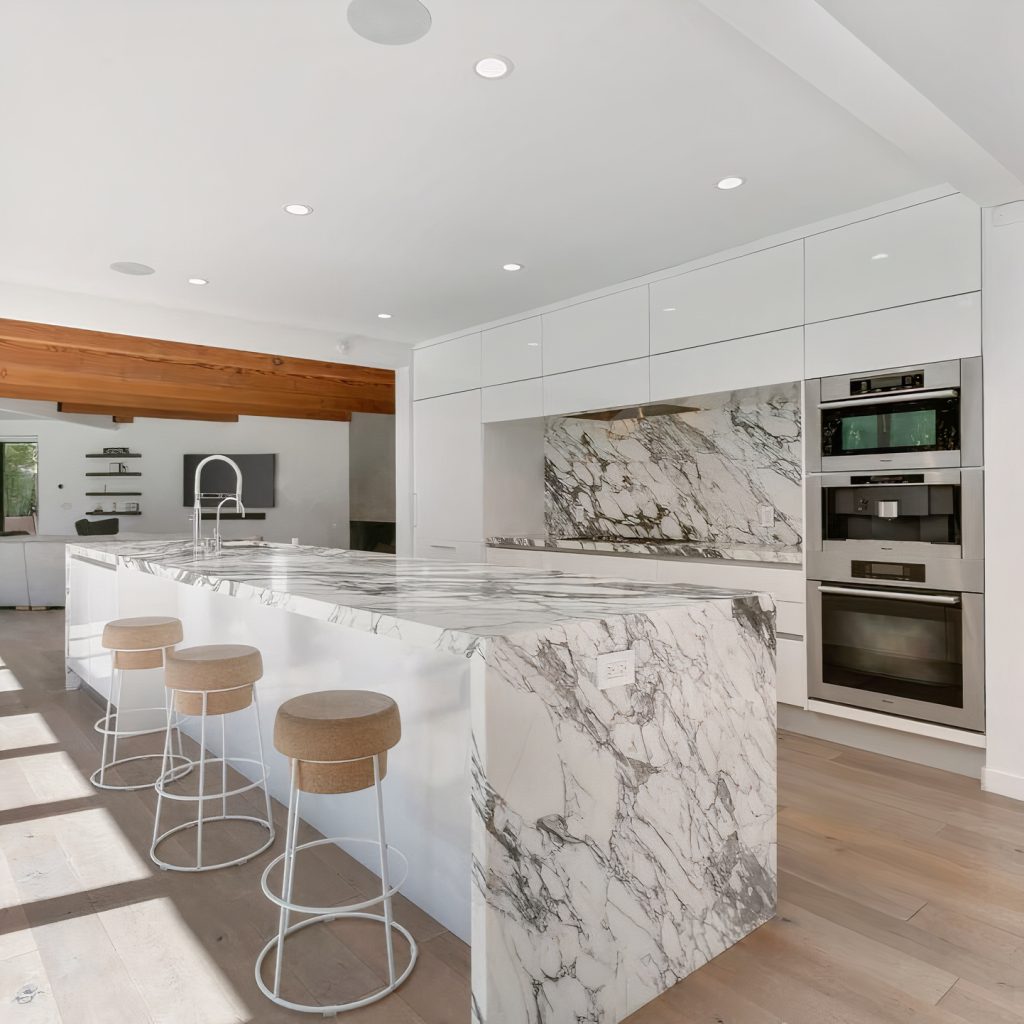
(699, 476)
(780, 554)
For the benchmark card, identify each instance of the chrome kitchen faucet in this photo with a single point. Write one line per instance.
(197, 508)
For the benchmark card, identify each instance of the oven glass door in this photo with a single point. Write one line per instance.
(898, 644)
(897, 426)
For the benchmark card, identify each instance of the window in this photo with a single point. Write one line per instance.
(19, 470)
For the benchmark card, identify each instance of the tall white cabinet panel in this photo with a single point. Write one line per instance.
(747, 295)
(513, 352)
(446, 368)
(729, 365)
(604, 330)
(448, 460)
(600, 387)
(520, 400)
(926, 332)
(923, 252)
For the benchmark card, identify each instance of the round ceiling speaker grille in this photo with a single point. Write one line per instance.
(134, 269)
(389, 22)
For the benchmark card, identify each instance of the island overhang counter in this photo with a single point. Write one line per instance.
(594, 845)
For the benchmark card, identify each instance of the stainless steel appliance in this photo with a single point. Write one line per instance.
(909, 417)
(911, 652)
(924, 528)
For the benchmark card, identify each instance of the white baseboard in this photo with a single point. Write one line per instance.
(1003, 783)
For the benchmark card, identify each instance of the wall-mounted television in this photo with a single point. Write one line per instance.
(258, 480)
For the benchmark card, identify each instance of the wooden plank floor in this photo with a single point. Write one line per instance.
(902, 897)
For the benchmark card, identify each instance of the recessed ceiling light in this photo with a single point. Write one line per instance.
(493, 67)
(880, 256)
(533, 344)
(669, 309)
(383, 316)
(298, 209)
(731, 182)
(132, 269)
(512, 267)
(198, 280)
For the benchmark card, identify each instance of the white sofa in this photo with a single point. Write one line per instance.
(32, 567)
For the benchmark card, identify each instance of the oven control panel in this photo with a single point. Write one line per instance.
(887, 382)
(910, 571)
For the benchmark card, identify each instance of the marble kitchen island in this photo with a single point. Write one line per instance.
(593, 845)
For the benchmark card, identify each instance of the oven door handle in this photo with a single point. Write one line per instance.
(892, 595)
(914, 395)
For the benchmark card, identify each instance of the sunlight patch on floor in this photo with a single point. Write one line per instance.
(8, 680)
(175, 976)
(64, 854)
(28, 730)
(40, 779)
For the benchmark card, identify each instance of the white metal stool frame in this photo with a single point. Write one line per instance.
(109, 726)
(172, 774)
(326, 914)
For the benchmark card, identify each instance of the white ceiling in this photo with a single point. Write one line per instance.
(172, 132)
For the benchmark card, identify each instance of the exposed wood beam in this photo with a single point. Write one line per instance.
(129, 374)
(126, 414)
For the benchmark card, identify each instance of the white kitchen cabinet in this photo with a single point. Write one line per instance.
(513, 352)
(450, 550)
(605, 330)
(791, 672)
(448, 461)
(447, 368)
(729, 365)
(926, 332)
(520, 400)
(748, 295)
(614, 566)
(923, 252)
(783, 582)
(600, 387)
(791, 617)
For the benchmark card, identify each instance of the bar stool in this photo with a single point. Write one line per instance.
(136, 643)
(205, 682)
(337, 742)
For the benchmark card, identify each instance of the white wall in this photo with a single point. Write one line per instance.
(1003, 350)
(371, 450)
(312, 473)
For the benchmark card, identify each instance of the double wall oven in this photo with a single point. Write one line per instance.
(895, 542)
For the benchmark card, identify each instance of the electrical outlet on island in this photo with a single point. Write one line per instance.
(616, 669)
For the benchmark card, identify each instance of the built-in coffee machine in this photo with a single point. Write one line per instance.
(895, 542)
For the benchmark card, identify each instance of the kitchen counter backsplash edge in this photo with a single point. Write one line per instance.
(772, 554)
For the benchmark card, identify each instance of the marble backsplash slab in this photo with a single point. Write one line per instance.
(705, 475)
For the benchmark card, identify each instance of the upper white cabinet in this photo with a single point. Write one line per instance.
(729, 365)
(446, 368)
(925, 332)
(513, 352)
(747, 295)
(448, 469)
(605, 330)
(520, 400)
(923, 252)
(599, 387)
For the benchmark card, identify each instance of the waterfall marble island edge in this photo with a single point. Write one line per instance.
(593, 845)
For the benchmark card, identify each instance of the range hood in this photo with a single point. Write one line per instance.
(635, 412)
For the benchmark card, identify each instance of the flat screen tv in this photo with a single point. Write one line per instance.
(258, 480)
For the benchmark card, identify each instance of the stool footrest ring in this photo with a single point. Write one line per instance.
(337, 1007)
(168, 866)
(171, 776)
(344, 909)
(106, 725)
(174, 773)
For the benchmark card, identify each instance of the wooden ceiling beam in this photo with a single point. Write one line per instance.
(81, 367)
(126, 415)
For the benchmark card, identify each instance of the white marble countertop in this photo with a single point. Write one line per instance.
(443, 604)
(778, 554)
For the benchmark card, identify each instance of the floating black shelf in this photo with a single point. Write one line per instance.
(211, 516)
(113, 494)
(113, 474)
(113, 458)
(95, 513)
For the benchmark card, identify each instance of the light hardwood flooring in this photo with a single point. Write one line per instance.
(901, 897)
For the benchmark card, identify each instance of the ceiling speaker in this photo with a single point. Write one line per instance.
(389, 22)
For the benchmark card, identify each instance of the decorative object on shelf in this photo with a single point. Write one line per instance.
(117, 451)
(106, 454)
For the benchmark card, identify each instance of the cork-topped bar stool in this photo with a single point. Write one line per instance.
(137, 643)
(211, 682)
(337, 741)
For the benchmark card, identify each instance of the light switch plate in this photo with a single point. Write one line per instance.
(616, 669)
(767, 514)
